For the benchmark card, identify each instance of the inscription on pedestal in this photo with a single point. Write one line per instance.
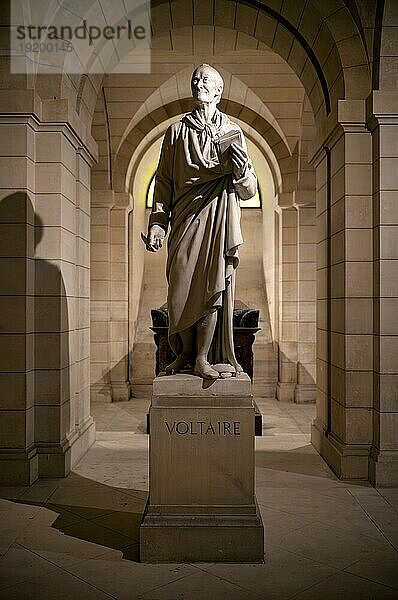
(221, 428)
(201, 505)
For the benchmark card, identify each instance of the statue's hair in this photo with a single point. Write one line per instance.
(218, 76)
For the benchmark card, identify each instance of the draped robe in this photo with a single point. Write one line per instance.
(200, 201)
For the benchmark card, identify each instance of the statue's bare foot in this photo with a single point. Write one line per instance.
(204, 370)
(238, 369)
(179, 363)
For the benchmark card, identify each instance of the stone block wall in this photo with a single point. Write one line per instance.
(44, 339)
(355, 429)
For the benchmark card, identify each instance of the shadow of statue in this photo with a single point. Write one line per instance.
(84, 510)
(35, 322)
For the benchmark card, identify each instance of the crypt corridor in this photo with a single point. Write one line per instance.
(313, 85)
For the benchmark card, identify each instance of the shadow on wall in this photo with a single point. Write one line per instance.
(34, 327)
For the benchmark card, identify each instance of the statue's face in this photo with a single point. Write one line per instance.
(205, 85)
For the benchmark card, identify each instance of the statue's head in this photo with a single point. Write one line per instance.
(207, 84)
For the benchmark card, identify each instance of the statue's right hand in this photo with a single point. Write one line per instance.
(156, 235)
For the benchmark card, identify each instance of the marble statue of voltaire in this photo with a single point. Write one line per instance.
(198, 196)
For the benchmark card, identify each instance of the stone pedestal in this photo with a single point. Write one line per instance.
(201, 504)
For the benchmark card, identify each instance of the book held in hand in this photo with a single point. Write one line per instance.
(222, 145)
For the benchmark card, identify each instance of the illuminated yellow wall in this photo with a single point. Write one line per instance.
(145, 171)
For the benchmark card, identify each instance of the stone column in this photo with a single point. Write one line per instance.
(342, 431)
(45, 425)
(100, 305)
(109, 300)
(323, 278)
(81, 405)
(63, 428)
(382, 112)
(305, 390)
(119, 343)
(18, 453)
(288, 331)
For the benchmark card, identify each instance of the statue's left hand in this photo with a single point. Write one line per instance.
(239, 160)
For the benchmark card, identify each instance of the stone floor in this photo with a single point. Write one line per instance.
(76, 538)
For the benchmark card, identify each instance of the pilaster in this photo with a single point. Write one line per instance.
(382, 116)
(100, 309)
(109, 301)
(18, 454)
(305, 391)
(119, 344)
(63, 427)
(342, 431)
(287, 350)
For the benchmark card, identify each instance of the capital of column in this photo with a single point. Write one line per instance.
(350, 118)
(381, 108)
(102, 198)
(286, 200)
(83, 144)
(122, 200)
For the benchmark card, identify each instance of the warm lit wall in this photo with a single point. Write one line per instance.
(138, 224)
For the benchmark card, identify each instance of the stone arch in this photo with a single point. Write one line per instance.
(266, 130)
(178, 85)
(324, 47)
(385, 46)
(308, 36)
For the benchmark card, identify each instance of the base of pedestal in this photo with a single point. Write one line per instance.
(182, 539)
(202, 505)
